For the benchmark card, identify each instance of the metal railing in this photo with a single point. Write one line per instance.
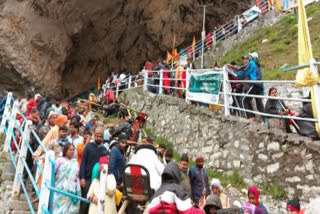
(175, 89)
(47, 188)
(224, 32)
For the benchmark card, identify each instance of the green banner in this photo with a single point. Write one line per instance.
(205, 83)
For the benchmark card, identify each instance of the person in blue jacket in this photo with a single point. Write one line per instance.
(117, 160)
(252, 70)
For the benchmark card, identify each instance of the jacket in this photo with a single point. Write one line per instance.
(43, 110)
(116, 163)
(171, 197)
(146, 155)
(185, 183)
(307, 128)
(271, 106)
(253, 71)
(196, 182)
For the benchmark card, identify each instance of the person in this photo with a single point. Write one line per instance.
(277, 107)
(250, 70)
(185, 180)
(109, 205)
(58, 144)
(86, 140)
(168, 156)
(57, 108)
(32, 104)
(109, 96)
(253, 198)
(307, 128)
(236, 87)
(90, 157)
(24, 102)
(199, 181)
(190, 64)
(146, 155)
(161, 150)
(217, 189)
(91, 124)
(74, 137)
(45, 106)
(293, 206)
(171, 197)
(117, 160)
(67, 179)
(213, 204)
(49, 124)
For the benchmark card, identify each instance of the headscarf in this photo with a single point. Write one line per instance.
(216, 183)
(51, 113)
(255, 191)
(61, 119)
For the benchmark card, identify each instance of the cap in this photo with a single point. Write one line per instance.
(245, 57)
(51, 113)
(254, 55)
(123, 140)
(213, 200)
(294, 205)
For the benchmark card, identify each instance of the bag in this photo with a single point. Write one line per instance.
(277, 123)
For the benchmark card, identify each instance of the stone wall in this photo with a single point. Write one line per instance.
(229, 143)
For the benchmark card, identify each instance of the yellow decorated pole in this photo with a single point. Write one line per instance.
(307, 77)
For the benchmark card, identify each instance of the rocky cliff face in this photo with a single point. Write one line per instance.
(63, 46)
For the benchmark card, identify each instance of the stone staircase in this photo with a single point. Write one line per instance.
(8, 204)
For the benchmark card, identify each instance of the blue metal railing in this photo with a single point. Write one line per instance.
(21, 157)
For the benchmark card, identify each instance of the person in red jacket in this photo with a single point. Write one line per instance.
(33, 103)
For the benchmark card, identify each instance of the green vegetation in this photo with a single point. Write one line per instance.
(282, 45)
(276, 191)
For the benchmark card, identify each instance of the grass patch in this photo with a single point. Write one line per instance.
(282, 45)
(275, 190)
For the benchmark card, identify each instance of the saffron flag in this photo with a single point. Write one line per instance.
(193, 43)
(306, 77)
(169, 57)
(99, 83)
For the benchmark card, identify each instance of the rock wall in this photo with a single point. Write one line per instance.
(261, 155)
(63, 46)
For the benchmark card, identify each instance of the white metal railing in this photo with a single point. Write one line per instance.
(226, 92)
(226, 31)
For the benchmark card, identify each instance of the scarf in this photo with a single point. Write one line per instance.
(62, 142)
(254, 190)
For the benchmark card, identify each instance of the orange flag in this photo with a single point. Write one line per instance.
(99, 83)
(193, 43)
(169, 57)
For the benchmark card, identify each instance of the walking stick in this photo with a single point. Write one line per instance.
(293, 122)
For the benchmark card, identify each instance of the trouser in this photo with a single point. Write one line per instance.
(84, 207)
(236, 102)
(247, 100)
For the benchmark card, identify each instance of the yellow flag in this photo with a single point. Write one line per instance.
(193, 43)
(305, 77)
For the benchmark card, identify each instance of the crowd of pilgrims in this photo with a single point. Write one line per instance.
(83, 147)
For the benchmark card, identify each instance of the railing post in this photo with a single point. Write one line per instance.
(22, 154)
(145, 75)
(239, 24)
(316, 91)
(46, 178)
(225, 91)
(6, 110)
(103, 185)
(187, 82)
(117, 89)
(161, 82)
(129, 84)
(12, 123)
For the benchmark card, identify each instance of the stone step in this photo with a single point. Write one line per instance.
(14, 204)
